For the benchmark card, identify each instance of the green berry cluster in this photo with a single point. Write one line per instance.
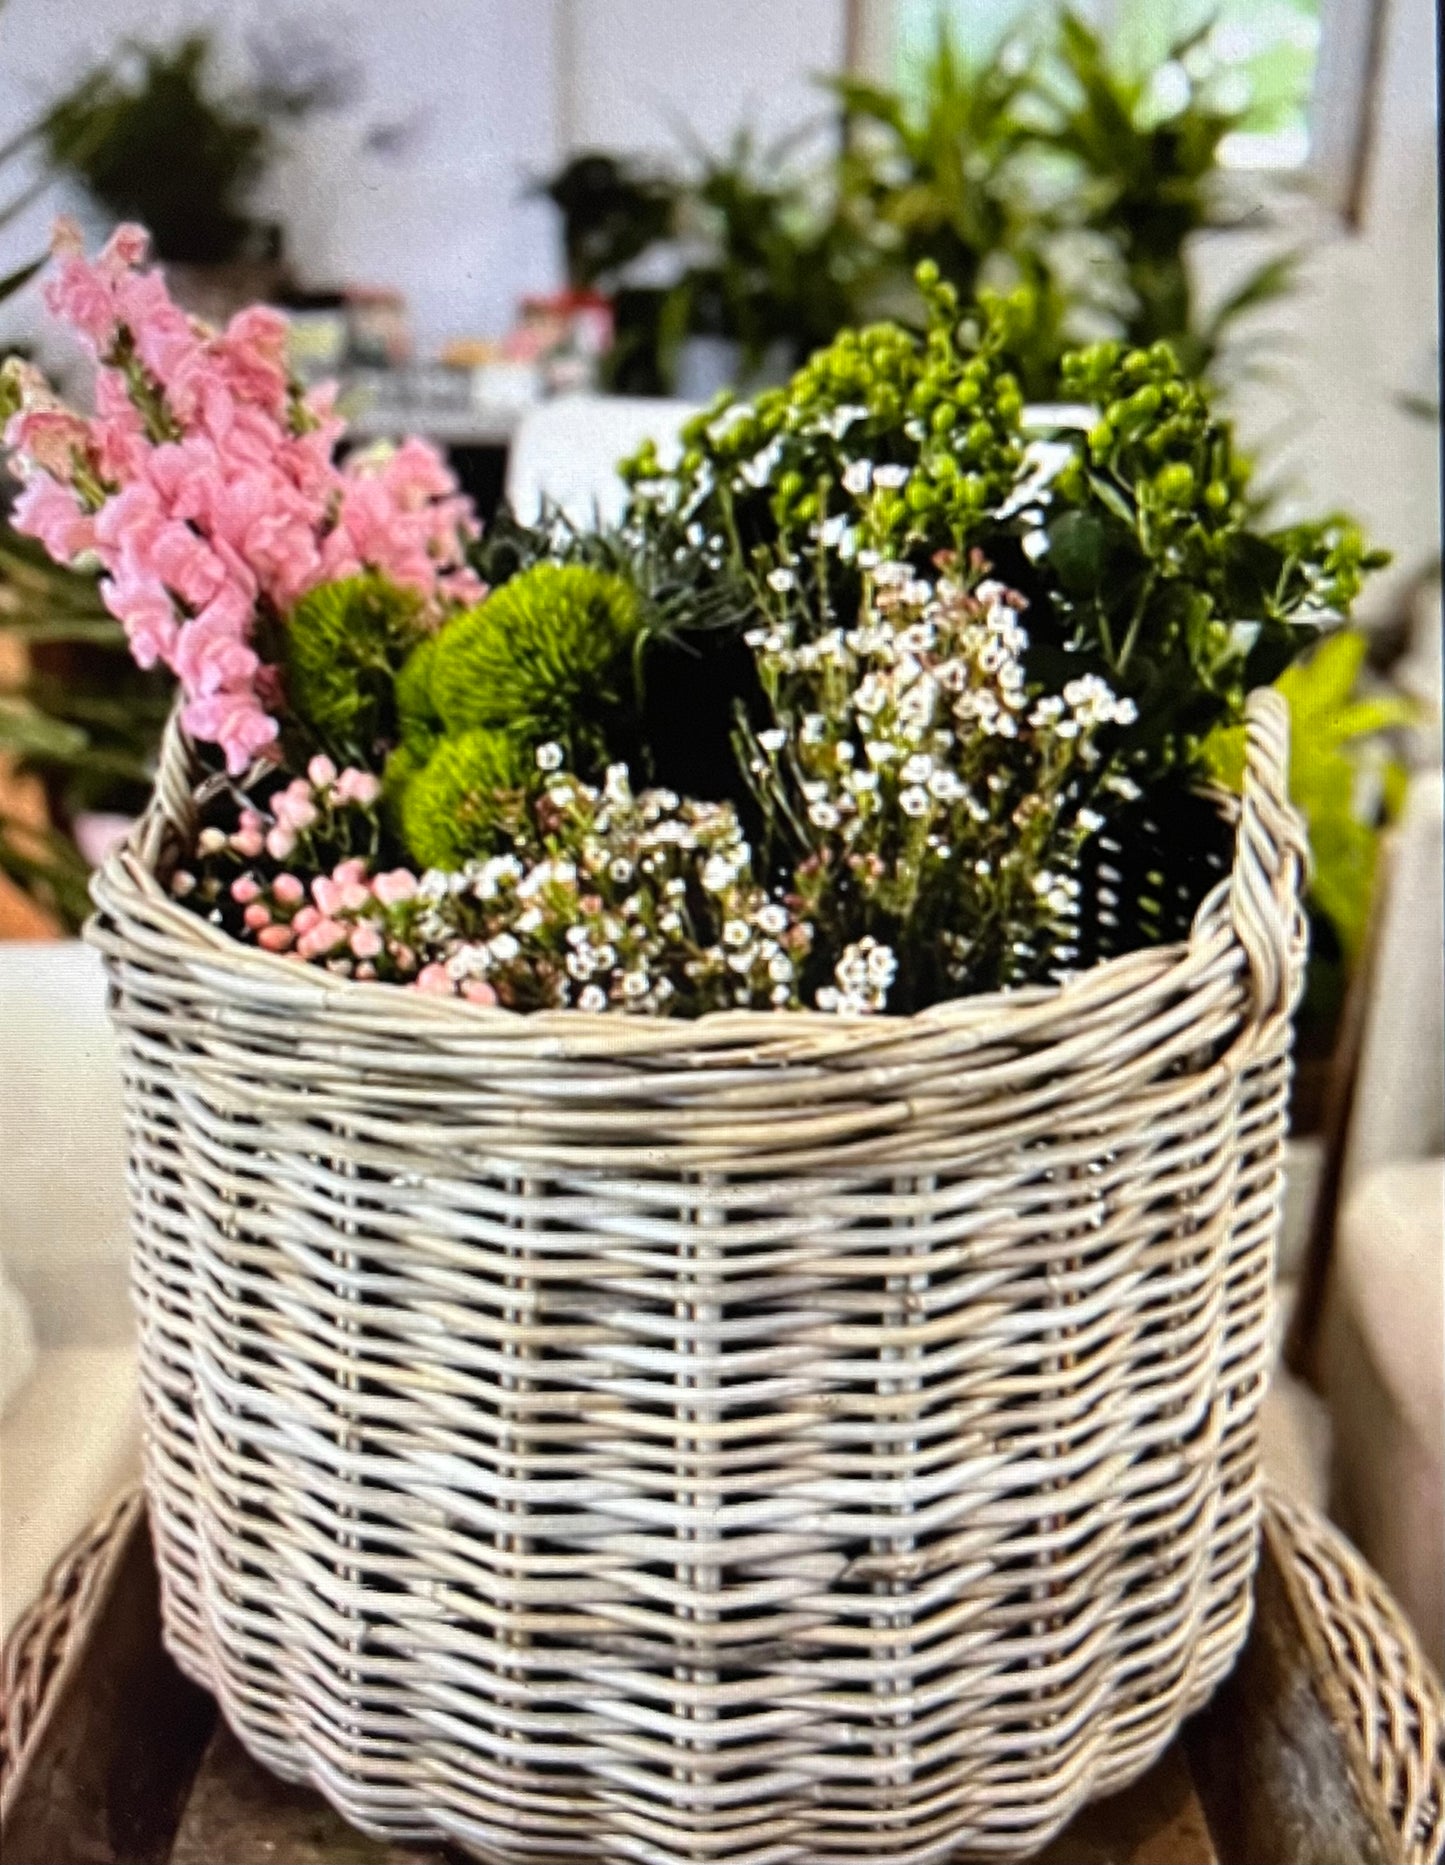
(927, 422)
(1156, 435)
(1156, 568)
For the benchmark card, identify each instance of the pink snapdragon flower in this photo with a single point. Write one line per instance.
(206, 484)
(47, 510)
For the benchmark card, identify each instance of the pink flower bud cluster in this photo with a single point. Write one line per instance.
(206, 485)
(309, 811)
(354, 922)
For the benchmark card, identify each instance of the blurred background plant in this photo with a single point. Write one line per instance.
(79, 723)
(1081, 168)
(151, 136)
(1348, 783)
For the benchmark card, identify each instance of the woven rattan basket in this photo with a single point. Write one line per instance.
(764, 1438)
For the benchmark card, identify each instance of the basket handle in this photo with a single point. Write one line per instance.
(1271, 861)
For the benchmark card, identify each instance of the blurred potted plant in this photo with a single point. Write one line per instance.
(733, 273)
(777, 266)
(149, 136)
(1050, 164)
(1348, 785)
(78, 716)
(1147, 178)
(614, 213)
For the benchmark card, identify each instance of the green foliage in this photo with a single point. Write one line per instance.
(1134, 542)
(1335, 735)
(1050, 162)
(150, 138)
(1144, 184)
(81, 717)
(342, 649)
(1155, 569)
(549, 655)
(456, 807)
(941, 411)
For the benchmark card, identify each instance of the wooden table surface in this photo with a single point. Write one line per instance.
(130, 1765)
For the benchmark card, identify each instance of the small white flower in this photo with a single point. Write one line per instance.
(549, 757)
(871, 696)
(891, 478)
(717, 874)
(917, 769)
(882, 966)
(635, 984)
(620, 868)
(914, 801)
(780, 968)
(773, 919)
(736, 933)
(504, 948)
(773, 739)
(592, 998)
(856, 476)
(823, 816)
(781, 579)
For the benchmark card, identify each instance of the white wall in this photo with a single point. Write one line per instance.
(1359, 334)
(468, 84)
(633, 70)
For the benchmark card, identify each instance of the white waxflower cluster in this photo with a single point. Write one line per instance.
(863, 975)
(938, 800)
(643, 902)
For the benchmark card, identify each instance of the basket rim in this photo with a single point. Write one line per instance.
(127, 884)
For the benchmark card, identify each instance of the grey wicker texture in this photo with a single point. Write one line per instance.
(54, 1622)
(1383, 1689)
(771, 1437)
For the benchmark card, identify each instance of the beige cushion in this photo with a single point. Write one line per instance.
(69, 1437)
(1384, 1366)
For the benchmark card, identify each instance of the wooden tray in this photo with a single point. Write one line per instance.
(128, 1762)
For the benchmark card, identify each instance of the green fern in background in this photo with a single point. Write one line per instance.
(1347, 786)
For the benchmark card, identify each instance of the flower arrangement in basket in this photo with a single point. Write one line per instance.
(791, 1390)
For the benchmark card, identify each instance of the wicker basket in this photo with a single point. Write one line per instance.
(765, 1438)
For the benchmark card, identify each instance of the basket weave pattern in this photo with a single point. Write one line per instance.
(766, 1438)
